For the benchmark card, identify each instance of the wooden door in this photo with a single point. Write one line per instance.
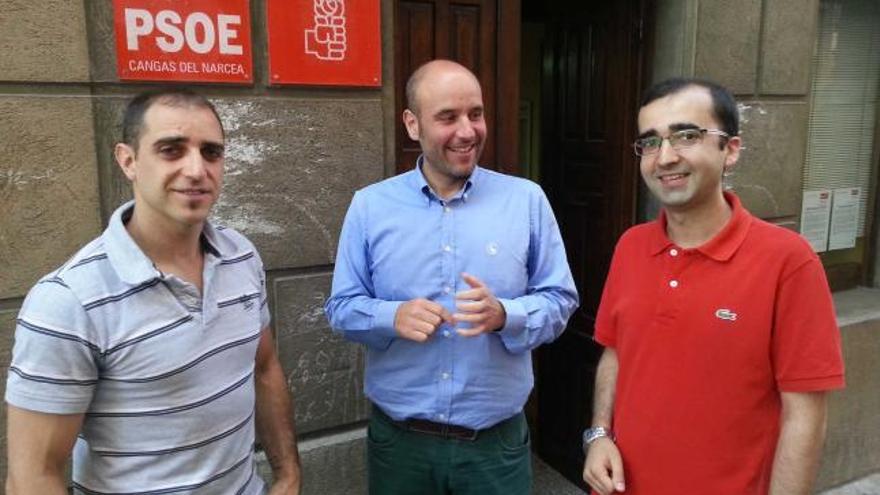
(591, 73)
(482, 35)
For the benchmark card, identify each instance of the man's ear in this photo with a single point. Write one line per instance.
(412, 124)
(126, 159)
(733, 147)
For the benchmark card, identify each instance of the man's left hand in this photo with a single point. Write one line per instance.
(479, 307)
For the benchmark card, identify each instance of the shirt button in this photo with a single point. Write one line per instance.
(673, 283)
(447, 333)
(447, 248)
(673, 252)
(447, 289)
(445, 376)
(447, 209)
(441, 416)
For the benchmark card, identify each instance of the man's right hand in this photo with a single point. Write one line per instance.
(418, 319)
(603, 469)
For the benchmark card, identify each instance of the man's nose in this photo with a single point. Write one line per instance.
(667, 154)
(465, 128)
(194, 166)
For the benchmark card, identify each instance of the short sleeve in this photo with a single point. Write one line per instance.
(55, 359)
(806, 349)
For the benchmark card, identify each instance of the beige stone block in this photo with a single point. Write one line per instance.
(102, 40)
(291, 169)
(48, 186)
(7, 331)
(43, 41)
(769, 173)
(324, 371)
(787, 48)
(727, 43)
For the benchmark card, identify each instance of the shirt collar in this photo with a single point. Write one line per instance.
(127, 258)
(723, 245)
(419, 181)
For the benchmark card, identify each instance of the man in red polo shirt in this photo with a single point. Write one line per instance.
(719, 331)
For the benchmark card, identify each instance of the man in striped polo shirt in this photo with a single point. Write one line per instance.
(148, 354)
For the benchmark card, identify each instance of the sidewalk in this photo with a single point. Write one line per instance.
(548, 481)
(869, 485)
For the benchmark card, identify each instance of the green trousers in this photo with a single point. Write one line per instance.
(402, 462)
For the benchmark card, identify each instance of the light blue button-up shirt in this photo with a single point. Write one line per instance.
(400, 241)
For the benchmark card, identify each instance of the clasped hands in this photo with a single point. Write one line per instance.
(418, 319)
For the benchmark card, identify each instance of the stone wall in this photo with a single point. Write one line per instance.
(295, 157)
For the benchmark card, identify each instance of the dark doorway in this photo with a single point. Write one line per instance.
(590, 55)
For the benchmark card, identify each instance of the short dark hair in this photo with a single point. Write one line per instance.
(133, 119)
(723, 102)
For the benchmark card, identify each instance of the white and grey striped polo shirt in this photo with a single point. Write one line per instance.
(166, 381)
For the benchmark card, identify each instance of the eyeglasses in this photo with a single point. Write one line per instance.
(684, 138)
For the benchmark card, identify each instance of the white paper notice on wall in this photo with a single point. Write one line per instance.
(815, 214)
(844, 218)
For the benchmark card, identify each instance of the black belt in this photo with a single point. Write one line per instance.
(438, 429)
(442, 430)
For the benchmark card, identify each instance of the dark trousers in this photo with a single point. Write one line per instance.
(403, 462)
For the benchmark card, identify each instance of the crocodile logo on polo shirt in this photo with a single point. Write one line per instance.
(725, 314)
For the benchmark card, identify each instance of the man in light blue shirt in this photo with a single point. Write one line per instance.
(450, 274)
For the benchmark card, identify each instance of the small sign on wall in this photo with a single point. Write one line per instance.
(844, 218)
(815, 214)
(189, 40)
(325, 42)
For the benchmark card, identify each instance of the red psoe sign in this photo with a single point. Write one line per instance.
(325, 42)
(183, 40)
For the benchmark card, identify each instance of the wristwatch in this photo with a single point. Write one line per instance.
(593, 434)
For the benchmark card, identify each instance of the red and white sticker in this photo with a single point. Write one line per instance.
(325, 42)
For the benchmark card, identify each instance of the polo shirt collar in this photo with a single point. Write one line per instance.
(127, 258)
(723, 245)
(419, 181)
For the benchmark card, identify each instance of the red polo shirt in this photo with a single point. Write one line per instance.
(706, 339)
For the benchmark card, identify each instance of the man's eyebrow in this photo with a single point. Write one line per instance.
(680, 126)
(446, 112)
(170, 140)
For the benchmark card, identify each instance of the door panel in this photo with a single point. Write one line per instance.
(477, 34)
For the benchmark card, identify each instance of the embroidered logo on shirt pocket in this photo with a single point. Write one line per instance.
(725, 314)
(248, 301)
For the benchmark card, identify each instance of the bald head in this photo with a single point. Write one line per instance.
(429, 71)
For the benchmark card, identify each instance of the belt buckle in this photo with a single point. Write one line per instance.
(470, 436)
